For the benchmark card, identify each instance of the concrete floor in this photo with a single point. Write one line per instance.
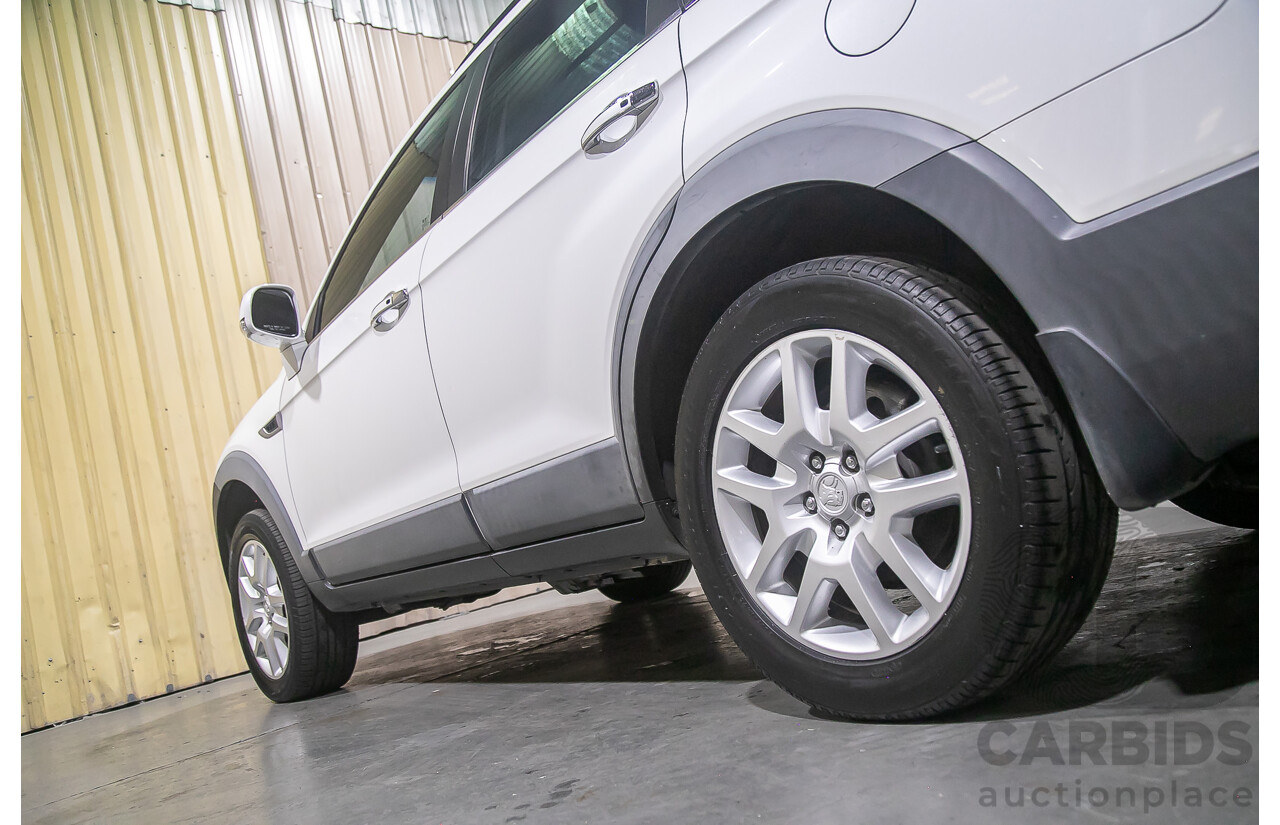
(572, 709)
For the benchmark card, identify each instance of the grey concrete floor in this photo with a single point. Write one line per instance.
(571, 709)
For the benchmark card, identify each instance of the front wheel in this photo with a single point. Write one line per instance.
(883, 506)
(295, 648)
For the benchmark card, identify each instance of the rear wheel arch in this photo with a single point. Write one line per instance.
(688, 288)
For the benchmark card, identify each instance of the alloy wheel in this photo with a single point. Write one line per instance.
(841, 494)
(262, 609)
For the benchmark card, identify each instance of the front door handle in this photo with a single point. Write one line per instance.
(620, 120)
(389, 311)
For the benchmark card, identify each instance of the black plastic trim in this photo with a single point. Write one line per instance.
(1164, 292)
(596, 552)
(439, 532)
(585, 489)
(862, 146)
(240, 466)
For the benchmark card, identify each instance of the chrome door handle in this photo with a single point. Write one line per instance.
(628, 113)
(389, 311)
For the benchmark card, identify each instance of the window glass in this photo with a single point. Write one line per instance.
(406, 203)
(553, 51)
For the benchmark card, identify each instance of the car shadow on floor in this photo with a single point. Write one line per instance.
(1178, 616)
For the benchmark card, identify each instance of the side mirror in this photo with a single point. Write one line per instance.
(269, 316)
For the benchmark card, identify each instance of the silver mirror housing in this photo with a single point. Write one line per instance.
(269, 316)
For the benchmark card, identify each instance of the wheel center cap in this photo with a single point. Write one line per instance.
(832, 494)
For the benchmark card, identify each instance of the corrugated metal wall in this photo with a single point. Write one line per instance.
(138, 237)
(163, 148)
(323, 103)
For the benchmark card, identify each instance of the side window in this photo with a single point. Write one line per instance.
(411, 195)
(545, 59)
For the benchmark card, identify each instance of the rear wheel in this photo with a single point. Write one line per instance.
(654, 581)
(294, 647)
(883, 506)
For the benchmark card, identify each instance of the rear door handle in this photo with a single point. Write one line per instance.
(620, 120)
(389, 310)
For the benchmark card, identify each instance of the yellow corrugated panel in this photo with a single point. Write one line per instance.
(143, 148)
(322, 103)
(138, 237)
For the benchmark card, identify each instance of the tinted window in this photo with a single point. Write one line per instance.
(408, 199)
(544, 59)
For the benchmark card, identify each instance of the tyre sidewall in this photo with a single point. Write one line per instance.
(957, 649)
(258, 526)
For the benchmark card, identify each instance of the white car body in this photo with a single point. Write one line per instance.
(505, 398)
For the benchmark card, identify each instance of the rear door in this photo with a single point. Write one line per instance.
(575, 151)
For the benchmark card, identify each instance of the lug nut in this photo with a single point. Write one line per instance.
(810, 503)
(816, 461)
(864, 504)
(850, 461)
(839, 528)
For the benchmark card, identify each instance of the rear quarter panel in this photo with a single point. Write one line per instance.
(972, 66)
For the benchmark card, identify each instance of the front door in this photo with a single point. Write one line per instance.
(370, 461)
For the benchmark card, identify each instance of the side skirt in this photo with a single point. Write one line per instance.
(582, 555)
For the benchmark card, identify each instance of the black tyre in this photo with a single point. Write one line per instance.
(294, 647)
(654, 581)
(877, 575)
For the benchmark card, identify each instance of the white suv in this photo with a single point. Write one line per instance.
(873, 310)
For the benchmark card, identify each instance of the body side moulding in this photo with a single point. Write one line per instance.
(585, 489)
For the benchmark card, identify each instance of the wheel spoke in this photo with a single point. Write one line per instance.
(848, 387)
(886, 437)
(759, 430)
(264, 629)
(910, 496)
(248, 577)
(910, 564)
(812, 599)
(272, 653)
(867, 594)
(750, 487)
(799, 396)
(777, 545)
(275, 598)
